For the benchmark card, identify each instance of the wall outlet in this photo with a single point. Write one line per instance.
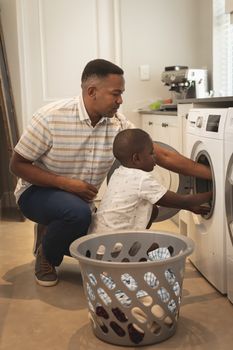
(144, 72)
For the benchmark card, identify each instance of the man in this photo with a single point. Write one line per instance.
(63, 157)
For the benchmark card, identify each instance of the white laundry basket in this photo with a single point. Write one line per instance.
(132, 300)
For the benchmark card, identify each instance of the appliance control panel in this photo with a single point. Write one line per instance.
(207, 122)
(213, 122)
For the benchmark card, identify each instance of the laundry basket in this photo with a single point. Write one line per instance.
(133, 284)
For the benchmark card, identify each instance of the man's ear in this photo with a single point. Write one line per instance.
(91, 91)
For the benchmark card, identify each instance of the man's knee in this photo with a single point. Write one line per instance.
(79, 215)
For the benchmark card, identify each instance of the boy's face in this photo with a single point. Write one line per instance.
(147, 157)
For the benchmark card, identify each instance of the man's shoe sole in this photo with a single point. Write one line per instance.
(46, 283)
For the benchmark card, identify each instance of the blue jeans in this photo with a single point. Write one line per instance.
(67, 216)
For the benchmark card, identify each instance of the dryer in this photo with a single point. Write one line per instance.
(205, 144)
(228, 171)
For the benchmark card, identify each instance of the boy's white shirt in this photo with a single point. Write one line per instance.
(128, 201)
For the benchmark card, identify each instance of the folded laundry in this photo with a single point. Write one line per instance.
(159, 254)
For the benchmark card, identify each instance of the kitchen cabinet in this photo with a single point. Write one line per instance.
(162, 128)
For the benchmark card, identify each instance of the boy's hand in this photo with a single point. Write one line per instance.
(200, 209)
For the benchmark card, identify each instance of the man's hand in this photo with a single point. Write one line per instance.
(81, 188)
(24, 168)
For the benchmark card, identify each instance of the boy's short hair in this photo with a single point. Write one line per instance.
(100, 68)
(129, 142)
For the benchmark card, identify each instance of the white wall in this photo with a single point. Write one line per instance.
(161, 33)
(49, 42)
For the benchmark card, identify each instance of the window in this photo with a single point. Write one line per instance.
(222, 50)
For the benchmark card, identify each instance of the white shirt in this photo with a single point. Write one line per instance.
(128, 201)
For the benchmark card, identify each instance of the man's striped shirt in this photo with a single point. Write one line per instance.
(61, 140)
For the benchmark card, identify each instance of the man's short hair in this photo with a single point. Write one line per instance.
(128, 142)
(100, 68)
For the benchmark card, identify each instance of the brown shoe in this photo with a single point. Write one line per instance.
(39, 232)
(45, 273)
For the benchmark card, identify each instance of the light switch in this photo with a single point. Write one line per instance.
(144, 71)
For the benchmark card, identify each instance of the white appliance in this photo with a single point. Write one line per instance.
(205, 144)
(228, 149)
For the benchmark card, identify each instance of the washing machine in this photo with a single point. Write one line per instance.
(205, 145)
(228, 150)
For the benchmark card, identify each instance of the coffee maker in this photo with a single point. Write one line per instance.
(185, 82)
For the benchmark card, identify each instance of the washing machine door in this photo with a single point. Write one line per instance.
(172, 181)
(229, 197)
(202, 185)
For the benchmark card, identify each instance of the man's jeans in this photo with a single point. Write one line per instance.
(67, 216)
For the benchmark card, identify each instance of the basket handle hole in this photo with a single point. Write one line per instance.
(154, 328)
(101, 324)
(153, 246)
(139, 314)
(171, 249)
(119, 314)
(116, 249)
(134, 248)
(107, 280)
(129, 281)
(125, 260)
(101, 312)
(144, 298)
(88, 253)
(136, 334)
(157, 311)
(117, 329)
(100, 252)
(168, 322)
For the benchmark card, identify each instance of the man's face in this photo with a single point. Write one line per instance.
(109, 95)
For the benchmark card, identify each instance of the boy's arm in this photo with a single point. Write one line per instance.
(190, 202)
(176, 162)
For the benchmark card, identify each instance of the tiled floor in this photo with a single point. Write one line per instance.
(34, 317)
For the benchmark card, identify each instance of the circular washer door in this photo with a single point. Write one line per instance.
(229, 197)
(202, 185)
(172, 181)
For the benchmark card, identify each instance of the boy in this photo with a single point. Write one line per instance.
(132, 196)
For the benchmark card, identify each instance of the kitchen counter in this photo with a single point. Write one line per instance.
(208, 102)
(158, 112)
(226, 101)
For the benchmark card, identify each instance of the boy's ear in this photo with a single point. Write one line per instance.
(136, 158)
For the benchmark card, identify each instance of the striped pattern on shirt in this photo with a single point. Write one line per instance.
(61, 140)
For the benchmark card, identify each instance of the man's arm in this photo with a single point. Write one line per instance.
(176, 162)
(25, 169)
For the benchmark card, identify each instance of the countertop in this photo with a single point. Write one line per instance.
(228, 99)
(157, 112)
(218, 102)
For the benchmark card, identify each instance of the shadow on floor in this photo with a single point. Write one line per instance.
(189, 335)
(67, 294)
